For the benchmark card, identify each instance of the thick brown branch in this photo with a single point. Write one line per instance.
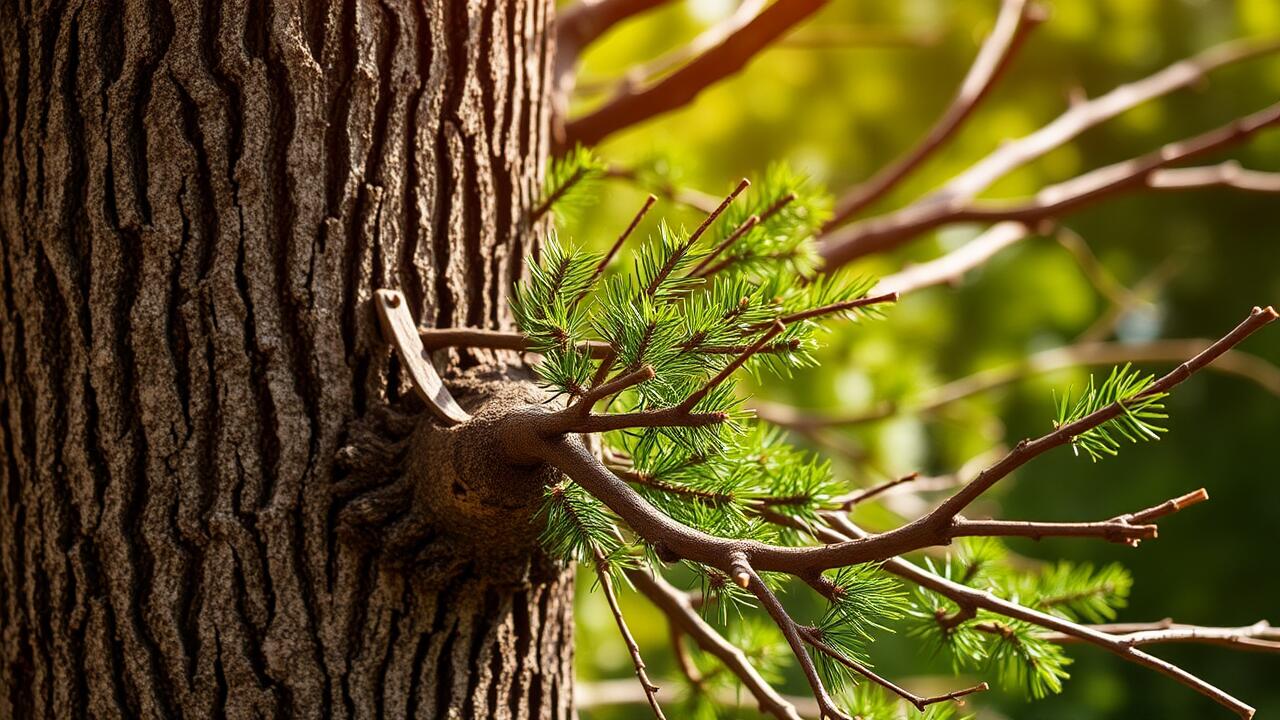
(546, 441)
(682, 86)
(1016, 21)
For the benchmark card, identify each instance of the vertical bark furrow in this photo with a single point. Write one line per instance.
(408, 274)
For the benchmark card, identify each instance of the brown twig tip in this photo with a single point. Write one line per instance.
(705, 267)
(956, 696)
(1191, 498)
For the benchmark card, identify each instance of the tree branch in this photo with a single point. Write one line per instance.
(542, 437)
(1028, 449)
(879, 234)
(952, 267)
(1227, 174)
(680, 613)
(1111, 530)
(1260, 636)
(1087, 114)
(641, 74)
(1233, 362)
(920, 702)
(682, 86)
(606, 584)
(1014, 24)
(791, 631)
(585, 21)
(841, 530)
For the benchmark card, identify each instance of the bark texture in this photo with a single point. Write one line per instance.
(196, 200)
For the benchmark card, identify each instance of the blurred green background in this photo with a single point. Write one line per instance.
(859, 84)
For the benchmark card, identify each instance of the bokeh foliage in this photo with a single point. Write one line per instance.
(859, 84)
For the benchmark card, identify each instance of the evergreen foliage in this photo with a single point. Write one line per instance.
(571, 184)
(688, 308)
(1014, 651)
(1126, 387)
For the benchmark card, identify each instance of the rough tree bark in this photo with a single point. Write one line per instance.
(196, 201)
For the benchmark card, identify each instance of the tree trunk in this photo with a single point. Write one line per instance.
(196, 202)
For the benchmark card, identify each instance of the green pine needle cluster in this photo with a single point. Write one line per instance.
(579, 528)
(1016, 652)
(865, 600)
(1141, 410)
(780, 242)
(1078, 592)
(571, 184)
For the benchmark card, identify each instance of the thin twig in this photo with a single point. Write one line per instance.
(860, 496)
(670, 265)
(920, 702)
(680, 613)
(817, 312)
(613, 249)
(791, 631)
(729, 369)
(1233, 362)
(725, 244)
(1228, 174)
(606, 584)
(878, 234)
(1014, 24)
(1259, 636)
(952, 267)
